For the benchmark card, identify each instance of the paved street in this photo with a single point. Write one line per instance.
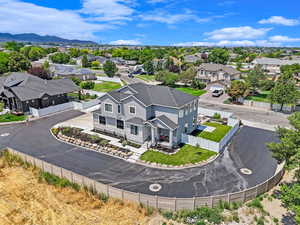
(248, 150)
(249, 114)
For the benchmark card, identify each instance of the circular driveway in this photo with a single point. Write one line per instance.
(247, 150)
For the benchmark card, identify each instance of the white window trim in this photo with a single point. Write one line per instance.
(134, 109)
(112, 108)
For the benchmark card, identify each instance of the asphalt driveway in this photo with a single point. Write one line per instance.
(247, 150)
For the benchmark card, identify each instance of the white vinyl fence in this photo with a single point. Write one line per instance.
(210, 112)
(208, 144)
(268, 106)
(63, 107)
(110, 79)
(51, 109)
(85, 105)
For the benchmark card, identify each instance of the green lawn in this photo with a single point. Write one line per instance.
(216, 135)
(187, 154)
(260, 97)
(146, 77)
(11, 118)
(106, 86)
(191, 91)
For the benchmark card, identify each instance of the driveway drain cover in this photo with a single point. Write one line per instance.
(246, 171)
(4, 135)
(155, 187)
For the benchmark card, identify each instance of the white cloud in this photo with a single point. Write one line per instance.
(163, 16)
(280, 38)
(280, 20)
(107, 10)
(237, 33)
(21, 17)
(125, 42)
(230, 43)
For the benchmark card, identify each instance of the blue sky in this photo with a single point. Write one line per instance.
(158, 22)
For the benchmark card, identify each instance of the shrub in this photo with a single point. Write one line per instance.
(255, 203)
(198, 84)
(217, 116)
(103, 197)
(57, 181)
(87, 85)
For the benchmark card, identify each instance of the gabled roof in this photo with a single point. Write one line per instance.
(27, 87)
(218, 67)
(165, 120)
(154, 95)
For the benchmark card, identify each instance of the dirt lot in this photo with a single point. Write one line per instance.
(26, 200)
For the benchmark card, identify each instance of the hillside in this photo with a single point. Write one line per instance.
(35, 38)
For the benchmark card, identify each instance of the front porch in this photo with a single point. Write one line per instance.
(163, 136)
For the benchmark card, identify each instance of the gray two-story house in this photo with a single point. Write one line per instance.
(145, 113)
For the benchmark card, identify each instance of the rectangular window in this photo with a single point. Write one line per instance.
(108, 107)
(133, 130)
(181, 113)
(132, 109)
(120, 124)
(102, 120)
(119, 108)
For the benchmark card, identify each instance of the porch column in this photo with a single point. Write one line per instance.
(171, 138)
(152, 135)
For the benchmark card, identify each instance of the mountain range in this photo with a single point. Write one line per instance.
(35, 38)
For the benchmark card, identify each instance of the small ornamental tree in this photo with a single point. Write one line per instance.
(85, 62)
(87, 85)
(110, 68)
(149, 67)
(285, 91)
(237, 90)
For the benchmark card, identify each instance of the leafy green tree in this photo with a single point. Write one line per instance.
(4, 59)
(285, 91)
(60, 57)
(74, 52)
(166, 77)
(76, 80)
(110, 68)
(46, 65)
(254, 77)
(188, 75)
(36, 53)
(149, 67)
(95, 64)
(237, 90)
(219, 56)
(18, 62)
(87, 85)
(51, 50)
(85, 62)
(13, 46)
(288, 149)
(266, 85)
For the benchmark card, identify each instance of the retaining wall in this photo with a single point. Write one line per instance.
(173, 204)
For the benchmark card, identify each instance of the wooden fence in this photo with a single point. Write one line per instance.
(172, 204)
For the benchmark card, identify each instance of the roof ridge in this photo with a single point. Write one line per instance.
(171, 93)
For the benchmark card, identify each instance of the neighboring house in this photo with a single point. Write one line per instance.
(213, 73)
(20, 91)
(272, 65)
(92, 58)
(142, 113)
(195, 58)
(68, 71)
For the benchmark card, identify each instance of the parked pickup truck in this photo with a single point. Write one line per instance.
(217, 93)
